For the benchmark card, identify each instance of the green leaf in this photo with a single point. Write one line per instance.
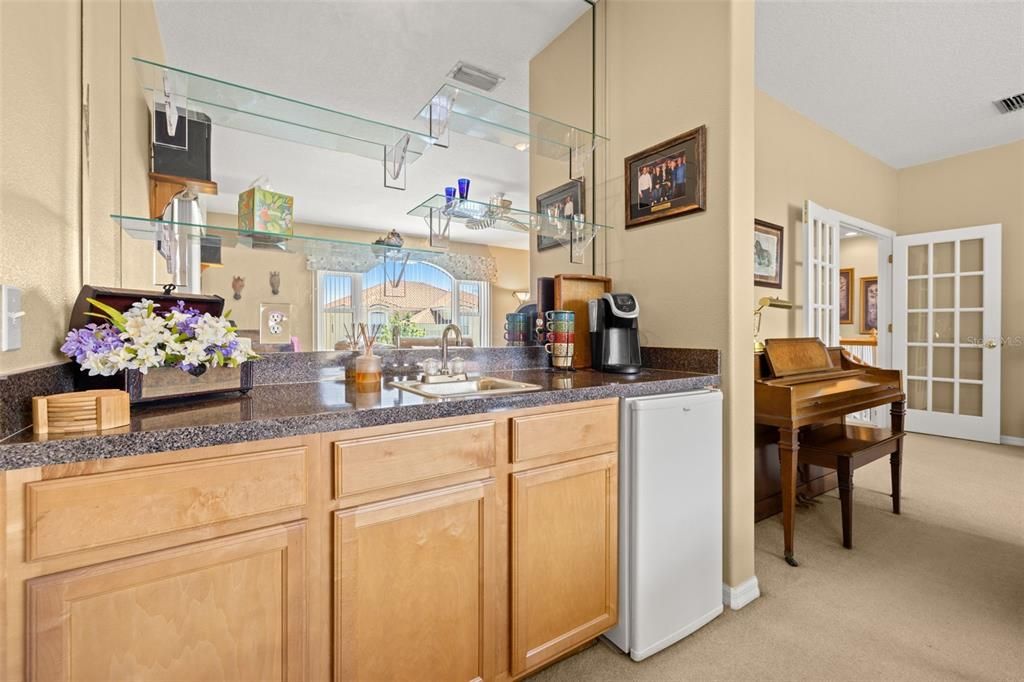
(115, 315)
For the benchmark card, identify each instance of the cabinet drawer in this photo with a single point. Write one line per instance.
(83, 512)
(571, 433)
(382, 462)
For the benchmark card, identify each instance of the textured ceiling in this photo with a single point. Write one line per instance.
(381, 59)
(907, 82)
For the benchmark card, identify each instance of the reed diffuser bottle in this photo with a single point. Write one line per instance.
(368, 370)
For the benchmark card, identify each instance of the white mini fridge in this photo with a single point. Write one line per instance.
(670, 519)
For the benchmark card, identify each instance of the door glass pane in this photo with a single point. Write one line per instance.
(942, 396)
(942, 362)
(943, 327)
(917, 396)
(917, 260)
(971, 257)
(970, 399)
(970, 291)
(970, 363)
(942, 289)
(917, 294)
(917, 361)
(942, 257)
(917, 327)
(970, 328)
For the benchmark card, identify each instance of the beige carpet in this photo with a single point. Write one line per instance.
(936, 593)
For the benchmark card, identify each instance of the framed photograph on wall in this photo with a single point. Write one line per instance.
(563, 201)
(846, 280)
(767, 254)
(667, 180)
(868, 304)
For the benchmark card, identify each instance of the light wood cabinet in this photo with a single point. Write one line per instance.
(227, 609)
(414, 587)
(564, 558)
(420, 551)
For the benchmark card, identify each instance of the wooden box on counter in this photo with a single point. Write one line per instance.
(165, 382)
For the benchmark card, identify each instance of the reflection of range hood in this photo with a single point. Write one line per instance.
(181, 247)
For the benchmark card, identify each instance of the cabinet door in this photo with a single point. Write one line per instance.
(564, 558)
(414, 587)
(227, 609)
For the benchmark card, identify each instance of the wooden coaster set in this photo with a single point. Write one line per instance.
(80, 411)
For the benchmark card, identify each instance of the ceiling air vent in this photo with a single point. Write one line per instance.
(1011, 103)
(475, 77)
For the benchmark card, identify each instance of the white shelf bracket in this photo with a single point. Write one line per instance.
(440, 112)
(439, 223)
(394, 163)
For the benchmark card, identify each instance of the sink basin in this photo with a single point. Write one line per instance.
(480, 386)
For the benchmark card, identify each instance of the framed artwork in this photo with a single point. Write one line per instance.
(868, 304)
(846, 280)
(767, 254)
(563, 201)
(667, 180)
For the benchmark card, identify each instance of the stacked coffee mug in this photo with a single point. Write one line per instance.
(518, 327)
(560, 337)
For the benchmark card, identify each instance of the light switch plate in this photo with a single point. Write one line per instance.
(12, 318)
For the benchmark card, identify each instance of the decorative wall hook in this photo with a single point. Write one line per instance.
(275, 282)
(237, 284)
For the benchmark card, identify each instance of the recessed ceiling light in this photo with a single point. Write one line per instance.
(521, 146)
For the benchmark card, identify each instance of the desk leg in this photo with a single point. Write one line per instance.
(788, 447)
(897, 412)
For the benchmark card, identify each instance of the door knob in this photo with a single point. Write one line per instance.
(991, 344)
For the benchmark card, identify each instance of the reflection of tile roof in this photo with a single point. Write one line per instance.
(419, 296)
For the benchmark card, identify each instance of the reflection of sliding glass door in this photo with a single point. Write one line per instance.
(946, 339)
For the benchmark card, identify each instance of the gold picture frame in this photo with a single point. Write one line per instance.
(846, 279)
(868, 305)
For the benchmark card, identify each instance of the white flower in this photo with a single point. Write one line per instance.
(213, 331)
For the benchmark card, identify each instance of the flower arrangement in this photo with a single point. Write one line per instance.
(142, 338)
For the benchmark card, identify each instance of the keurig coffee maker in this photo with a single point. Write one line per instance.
(615, 333)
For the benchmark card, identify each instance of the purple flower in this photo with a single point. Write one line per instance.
(92, 338)
(192, 317)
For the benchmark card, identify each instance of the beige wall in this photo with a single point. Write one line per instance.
(798, 160)
(980, 188)
(692, 275)
(40, 80)
(861, 254)
(51, 54)
(297, 281)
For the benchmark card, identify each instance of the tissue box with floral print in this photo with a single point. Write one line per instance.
(264, 210)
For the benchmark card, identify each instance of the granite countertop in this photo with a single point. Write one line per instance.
(280, 410)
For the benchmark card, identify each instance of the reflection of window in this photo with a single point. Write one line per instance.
(336, 311)
(425, 302)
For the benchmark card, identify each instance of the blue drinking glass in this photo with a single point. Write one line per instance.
(449, 195)
(463, 188)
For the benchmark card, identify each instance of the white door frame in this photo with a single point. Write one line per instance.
(885, 236)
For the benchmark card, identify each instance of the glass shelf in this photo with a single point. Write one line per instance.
(152, 229)
(468, 113)
(439, 212)
(255, 111)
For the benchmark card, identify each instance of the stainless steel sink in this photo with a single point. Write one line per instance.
(470, 388)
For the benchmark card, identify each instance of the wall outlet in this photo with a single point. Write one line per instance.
(12, 318)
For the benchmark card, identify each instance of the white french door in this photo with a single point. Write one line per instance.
(821, 266)
(947, 328)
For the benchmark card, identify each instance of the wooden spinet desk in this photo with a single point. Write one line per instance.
(799, 382)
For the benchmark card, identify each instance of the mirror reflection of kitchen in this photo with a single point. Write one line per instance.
(292, 294)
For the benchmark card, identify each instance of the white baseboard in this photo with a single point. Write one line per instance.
(1012, 440)
(741, 595)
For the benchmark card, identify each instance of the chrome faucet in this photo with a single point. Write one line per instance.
(444, 344)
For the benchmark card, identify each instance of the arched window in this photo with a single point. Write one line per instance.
(427, 299)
